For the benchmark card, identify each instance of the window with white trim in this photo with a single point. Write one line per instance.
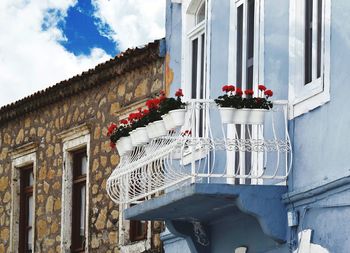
(246, 72)
(196, 59)
(245, 45)
(75, 181)
(23, 184)
(196, 39)
(309, 55)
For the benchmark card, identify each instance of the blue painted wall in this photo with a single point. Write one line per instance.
(229, 233)
(320, 137)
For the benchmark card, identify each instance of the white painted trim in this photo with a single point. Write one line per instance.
(18, 162)
(304, 98)
(73, 141)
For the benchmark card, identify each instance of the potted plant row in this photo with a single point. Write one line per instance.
(162, 114)
(236, 109)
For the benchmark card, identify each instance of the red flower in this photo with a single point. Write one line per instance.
(111, 128)
(112, 144)
(162, 93)
(134, 116)
(249, 92)
(261, 87)
(162, 98)
(124, 121)
(231, 88)
(239, 92)
(179, 93)
(225, 88)
(145, 112)
(153, 103)
(268, 93)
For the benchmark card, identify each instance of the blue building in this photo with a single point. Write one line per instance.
(277, 186)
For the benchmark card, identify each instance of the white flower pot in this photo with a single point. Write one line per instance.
(150, 130)
(124, 145)
(159, 128)
(120, 148)
(249, 116)
(178, 116)
(226, 114)
(256, 116)
(168, 122)
(240, 116)
(141, 135)
(134, 140)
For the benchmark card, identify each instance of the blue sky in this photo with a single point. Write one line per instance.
(81, 29)
(48, 41)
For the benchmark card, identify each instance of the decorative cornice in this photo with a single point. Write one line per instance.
(24, 149)
(74, 132)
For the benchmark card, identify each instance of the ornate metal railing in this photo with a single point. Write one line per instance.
(206, 151)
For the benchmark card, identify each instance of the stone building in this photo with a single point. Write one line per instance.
(53, 145)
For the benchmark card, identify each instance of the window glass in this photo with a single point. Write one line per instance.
(308, 42)
(201, 13)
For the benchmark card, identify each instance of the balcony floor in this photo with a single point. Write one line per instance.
(207, 202)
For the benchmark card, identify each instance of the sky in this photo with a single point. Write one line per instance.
(46, 41)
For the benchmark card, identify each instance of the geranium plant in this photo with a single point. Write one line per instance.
(259, 102)
(116, 132)
(232, 97)
(169, 104)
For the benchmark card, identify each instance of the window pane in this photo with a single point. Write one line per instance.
(201, 13)
(30, 211)
(31, 178)
(30, 237)
(202, 66)
(308, 41)
(319, 37)
(239, 46)
(83, 164)
(250, 44)
(82, 211)
(194, 67)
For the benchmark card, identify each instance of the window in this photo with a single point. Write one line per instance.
(138, 230)
(26, 210)
(23, 184)
(79, 200)
(75, 194)
(245, 71)
(196, 39)
(309, 60)
(197, 43)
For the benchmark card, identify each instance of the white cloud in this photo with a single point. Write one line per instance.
(30, 58)
(132, 22)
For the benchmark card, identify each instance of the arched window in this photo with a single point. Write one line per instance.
(197, 48)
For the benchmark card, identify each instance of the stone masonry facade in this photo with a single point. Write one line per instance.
(96, 98)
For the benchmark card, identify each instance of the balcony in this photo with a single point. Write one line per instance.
(216, 168)
(204, 150)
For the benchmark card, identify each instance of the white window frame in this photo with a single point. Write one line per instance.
(21, 157)
(304, 98)
(191, 31)
(258, 77)
(73, 139)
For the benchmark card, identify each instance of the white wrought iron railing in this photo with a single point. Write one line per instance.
(204, 150)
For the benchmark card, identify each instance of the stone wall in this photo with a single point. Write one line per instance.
(97, 107)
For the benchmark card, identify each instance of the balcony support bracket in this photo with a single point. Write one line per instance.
(205, 202)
